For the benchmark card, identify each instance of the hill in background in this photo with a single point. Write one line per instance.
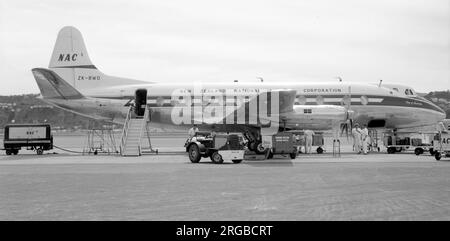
(441, 99)
(30, 109)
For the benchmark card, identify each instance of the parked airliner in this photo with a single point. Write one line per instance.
(72, 82)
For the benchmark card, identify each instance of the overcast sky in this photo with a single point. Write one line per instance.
(399, 41)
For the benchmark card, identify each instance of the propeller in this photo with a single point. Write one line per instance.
(347, 125)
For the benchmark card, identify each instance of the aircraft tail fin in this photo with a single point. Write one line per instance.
(52, 86)
(70, 50)
(70, 60)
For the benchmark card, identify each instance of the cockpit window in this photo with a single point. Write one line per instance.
(395, 89)
(409, 92)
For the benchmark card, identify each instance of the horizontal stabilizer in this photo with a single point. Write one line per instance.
(52, 86)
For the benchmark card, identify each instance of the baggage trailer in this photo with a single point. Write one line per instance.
(441, 145)
(218, 147)
(318, 140)
(282, 143)
(401, 142)
(37, 137)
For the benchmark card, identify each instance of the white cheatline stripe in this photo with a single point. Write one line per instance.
(377, 100)
(325, 100)
(308, 100)
(197, 101)
(332, 99)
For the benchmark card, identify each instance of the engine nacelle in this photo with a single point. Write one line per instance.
(331, 112)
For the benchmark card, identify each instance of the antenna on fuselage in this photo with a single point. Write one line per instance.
(379, 84)
(339, 78)
(260, 79)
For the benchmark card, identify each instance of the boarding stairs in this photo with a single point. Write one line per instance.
(132, 133)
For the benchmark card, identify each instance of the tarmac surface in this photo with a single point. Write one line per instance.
(68, 186)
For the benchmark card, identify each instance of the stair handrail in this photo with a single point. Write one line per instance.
(125, 130)
(144, 122)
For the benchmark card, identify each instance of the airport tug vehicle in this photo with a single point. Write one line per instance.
(218, 147)
(441, 145)
(35, 137)
(401, 142)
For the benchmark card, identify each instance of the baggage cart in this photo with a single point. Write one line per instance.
(36, 137)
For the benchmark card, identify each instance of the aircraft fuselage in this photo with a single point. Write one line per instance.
(371, 104)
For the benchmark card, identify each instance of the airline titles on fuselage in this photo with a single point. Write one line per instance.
(412, 102)
(323, 90)
(223, 91)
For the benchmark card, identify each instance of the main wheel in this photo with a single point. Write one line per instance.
(293, 155)
(194, 153)
(237, 161)
(418, 151)
(216, 158)
(319, 150)
(260, 149)
(437, 156)
(432, 152)
(15, 152)
(391, 150)
(8, 152)
(252, 146)
(39, 151)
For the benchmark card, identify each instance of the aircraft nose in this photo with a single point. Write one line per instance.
(434, 113)
(440, 113)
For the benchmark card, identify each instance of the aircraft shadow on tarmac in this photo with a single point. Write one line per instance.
(32, 155)
(281, 162)
(256, 163)
(260, 160)
(28, 156)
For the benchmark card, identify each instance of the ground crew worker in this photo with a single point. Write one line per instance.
(213, 131)
(365, 139)
(308, 140)
(356, 133)
(297, 141)
(193, 131)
